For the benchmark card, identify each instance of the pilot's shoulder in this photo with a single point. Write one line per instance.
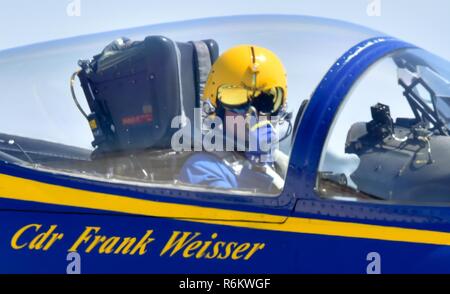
(207, 169)
(204, 161)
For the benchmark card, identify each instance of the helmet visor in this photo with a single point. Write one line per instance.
(268, 102)
(238, 99)
(233, 97)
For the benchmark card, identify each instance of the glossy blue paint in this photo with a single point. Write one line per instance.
(284, 252)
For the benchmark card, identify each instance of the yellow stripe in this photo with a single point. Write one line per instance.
(28, 190)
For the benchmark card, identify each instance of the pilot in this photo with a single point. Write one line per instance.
(246, 84)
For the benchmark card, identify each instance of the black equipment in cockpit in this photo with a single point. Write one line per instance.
(135, 89)
(402, 160)
(382, 124)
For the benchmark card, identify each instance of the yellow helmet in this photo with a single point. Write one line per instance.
(246, 76)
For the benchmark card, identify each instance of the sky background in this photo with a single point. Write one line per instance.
(425, 23)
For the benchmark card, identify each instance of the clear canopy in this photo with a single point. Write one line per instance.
(36, 101)
(390, 139)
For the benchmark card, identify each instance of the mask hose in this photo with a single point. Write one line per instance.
(74, 97)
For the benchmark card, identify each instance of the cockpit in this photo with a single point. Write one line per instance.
(390, 139)
(49, 126)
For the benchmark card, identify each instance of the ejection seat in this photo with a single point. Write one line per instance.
(140, 77)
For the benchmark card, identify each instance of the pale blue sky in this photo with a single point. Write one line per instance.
(425, 23)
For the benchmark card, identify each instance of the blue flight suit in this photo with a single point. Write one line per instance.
(231, 170)
(210, 170)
